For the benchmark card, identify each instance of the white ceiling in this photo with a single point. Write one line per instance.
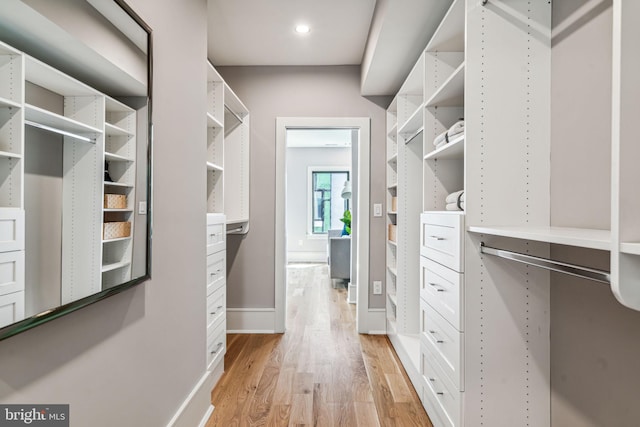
(343, 32)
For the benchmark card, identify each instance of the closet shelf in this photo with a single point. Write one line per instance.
(57, 123)
(116, 158)
(43, 75)
(392, 212)
(631, 248)
(114, 266)
(113, 130)
(393, 186)
(117, 184)
(449, 36)
(213, 122)
(451, 93)
(413, 123)
(392, 243)
(213, 167)
(451, 150)
(393, 159)
(393, 299)
(4, 102)
(579, 237)
(118, 210)
(392, 133)
(119, 239)
(393, 271)
(8, 155)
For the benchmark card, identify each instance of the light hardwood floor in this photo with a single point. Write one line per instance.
(319, 373)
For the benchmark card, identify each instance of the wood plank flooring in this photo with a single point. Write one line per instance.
(319, 373)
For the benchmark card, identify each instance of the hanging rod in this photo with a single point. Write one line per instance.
(58, 131)
(238, 118)
(549, 264)
(418, 132)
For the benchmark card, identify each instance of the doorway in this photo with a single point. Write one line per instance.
(358, 204)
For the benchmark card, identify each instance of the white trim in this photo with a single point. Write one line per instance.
(363, 171)
(320, 257)
(251, 320)
(377, 321)
(196, 408)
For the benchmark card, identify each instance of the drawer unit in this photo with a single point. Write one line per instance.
(444, 341)
(216, 234)
(441, 238)
(440, 393)
(443, 289)
(216, 271)
(11, 229)
(216, 344)
(11, 308)
(11, 272)
(216, 306)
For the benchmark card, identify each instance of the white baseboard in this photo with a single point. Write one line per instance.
(307, 256)
(377, 321)
(352, 293)
(196, 408)
(251, 320)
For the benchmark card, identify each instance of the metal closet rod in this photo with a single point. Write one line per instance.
(235, 230)
(234, 114)
(418, 132)
(549, 264)
(58, 131)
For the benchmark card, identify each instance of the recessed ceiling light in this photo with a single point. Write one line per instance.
(302, 29)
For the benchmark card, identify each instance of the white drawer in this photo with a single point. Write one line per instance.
(216, 344)
(441, 287)
(11, 229)
(11, 272)
(216, 238)
(11, 308)
(441, 238)
(216, 271)
(216, 306)
(440, 394)
(444, 341)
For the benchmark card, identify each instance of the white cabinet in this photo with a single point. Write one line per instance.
(216, 297)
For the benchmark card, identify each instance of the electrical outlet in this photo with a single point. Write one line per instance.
(377, 209)
(377, 287)
(142, 208)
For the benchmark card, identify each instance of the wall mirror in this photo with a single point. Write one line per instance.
(75, 108)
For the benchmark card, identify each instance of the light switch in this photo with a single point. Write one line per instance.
(142, 208)
(377, 209)
(377, 287)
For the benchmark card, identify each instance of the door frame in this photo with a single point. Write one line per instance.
(363, 124)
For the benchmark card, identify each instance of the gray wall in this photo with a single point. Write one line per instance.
(132, 359)
(595, 341)
(270, 92)
(298, 162)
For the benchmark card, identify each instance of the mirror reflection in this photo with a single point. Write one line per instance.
(74, 143)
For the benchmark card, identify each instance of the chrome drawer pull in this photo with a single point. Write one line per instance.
(438, 288)
(216, 310)
(436, 237)
(434, 335)
(217, 348)
(440, 393)
(433, 380)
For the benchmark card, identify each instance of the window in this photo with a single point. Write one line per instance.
(328, 206)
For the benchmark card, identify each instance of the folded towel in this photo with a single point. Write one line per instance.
(452, 207)
(454, 197)
(458, 127)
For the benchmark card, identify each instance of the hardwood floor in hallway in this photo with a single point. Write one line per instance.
(319, 373)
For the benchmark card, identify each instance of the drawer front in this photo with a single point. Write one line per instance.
(439, 392)
(216, 345)
(216, 238)
(11, 272)
(444, 341)
(441, 287)
(216, 306)
(11, 230)
(11, 308)
(441, 239)
(216, 271)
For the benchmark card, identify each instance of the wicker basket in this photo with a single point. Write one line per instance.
(116, 230)
(394, 204)
(115, 201)
(392, 232)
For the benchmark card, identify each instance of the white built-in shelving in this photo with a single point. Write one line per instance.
(579, 237)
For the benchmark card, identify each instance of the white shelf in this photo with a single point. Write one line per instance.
(392, 243)
(451, 150)
(112, 105)
(580, 237)
(393, 299)
(393, 186)
(119, 239)
(43, 75)
(114, 266)
(413, 123)
(117, 210)
(393, 271)
(56, 121)
(4, 102)
(232, 102)
(117, 184)
(8, 155)
(392, 133)
(392, 212)
(213, 122)
(449, 36)
(112, 130)
(631, 248)
(451, 93)
(116, 158)
(214, 167)
(212, 74)
(393, 159)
